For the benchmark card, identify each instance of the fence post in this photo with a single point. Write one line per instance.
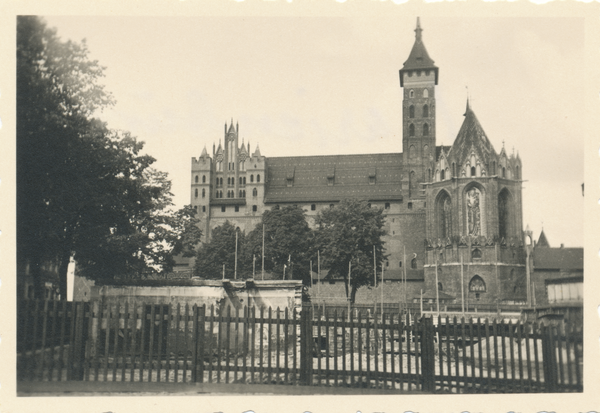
(79, 344)
(427, 354)
(306, 346)
(195, 312)
(549, 359)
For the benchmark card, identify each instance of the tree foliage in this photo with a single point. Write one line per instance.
(288, 242)
(81, 187)
(219, 252)
(346, 234)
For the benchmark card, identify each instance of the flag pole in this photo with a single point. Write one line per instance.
(263, 254)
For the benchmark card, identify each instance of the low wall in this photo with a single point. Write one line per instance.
(220, 294)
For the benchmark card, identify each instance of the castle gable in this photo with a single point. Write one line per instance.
(471, 140)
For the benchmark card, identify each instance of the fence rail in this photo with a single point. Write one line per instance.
(180, 343)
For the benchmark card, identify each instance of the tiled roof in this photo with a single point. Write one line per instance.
(471, 136)
(307, 178)
(558, 258)
(411, 275)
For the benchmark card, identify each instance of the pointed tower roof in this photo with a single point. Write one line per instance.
(419, 58)
(543, 241)
(204, 153)
(471, 137)
(231, 128)
(257, 151)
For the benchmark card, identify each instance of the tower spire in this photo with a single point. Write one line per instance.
(418, 30)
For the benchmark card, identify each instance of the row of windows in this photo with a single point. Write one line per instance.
(411, 129)
(230, 181)
(424, 112)
(411, 93)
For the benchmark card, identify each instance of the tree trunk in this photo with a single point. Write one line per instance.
(63, 270)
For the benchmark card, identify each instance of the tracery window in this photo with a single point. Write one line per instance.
(477, 284)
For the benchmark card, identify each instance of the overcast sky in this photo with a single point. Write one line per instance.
(320, 86)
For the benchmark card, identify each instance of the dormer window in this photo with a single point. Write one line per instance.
(372, 176)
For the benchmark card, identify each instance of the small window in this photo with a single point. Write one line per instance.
(251, 178)
(426, 130)
(410, 205)
(413, 264)
(203, 179)
(411, 130)
(196, 178)
(503, 172)
(476, 254)
(203, 208)
(196, 208)
(244, 182)
(313, 207)
(223, 208)
(411, 111)
(426, 91)
(425, 110)
(196, 193)
(254, 192)
(440, 287)
(237, 208)
(387, 205)
(387, 264)
(240, 180)
(473, 171)
(254, 208)
(442, 175)
(400, 264)
(258, 178)
(203, 192)
(411, 93)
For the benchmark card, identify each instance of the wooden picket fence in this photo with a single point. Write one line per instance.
(92, 341)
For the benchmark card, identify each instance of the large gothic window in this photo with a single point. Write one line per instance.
(504, 214)
(445, 216)
(477, 284)
(411, 111)
(425, 111)
(473, 201)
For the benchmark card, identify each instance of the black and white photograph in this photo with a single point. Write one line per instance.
(258, 205)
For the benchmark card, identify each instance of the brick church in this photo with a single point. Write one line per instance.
(453, 213)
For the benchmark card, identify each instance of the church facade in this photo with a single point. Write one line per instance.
(453, 213)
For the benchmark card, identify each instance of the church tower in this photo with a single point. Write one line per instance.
(418, 78)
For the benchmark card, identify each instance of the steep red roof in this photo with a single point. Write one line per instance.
(333, 178)
(558, 258)
(471, 136)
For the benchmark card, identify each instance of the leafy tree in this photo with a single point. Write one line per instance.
(219, 251)
(346, 235)
(82, 188)
(288, 241)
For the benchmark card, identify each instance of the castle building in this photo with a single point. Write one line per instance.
(454, 216)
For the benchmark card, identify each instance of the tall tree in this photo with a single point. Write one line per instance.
(346, 237)
(219, 252)
(82, 188)
(288, 242)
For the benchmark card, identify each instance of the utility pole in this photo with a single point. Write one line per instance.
(235, 266)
